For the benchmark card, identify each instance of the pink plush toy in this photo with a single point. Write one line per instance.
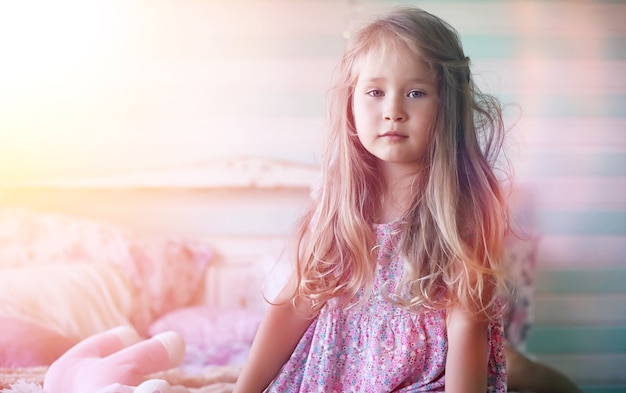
(116, 361)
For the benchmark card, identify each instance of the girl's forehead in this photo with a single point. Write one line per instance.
(393, 54)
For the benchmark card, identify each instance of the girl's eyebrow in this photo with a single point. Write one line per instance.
(412, 80)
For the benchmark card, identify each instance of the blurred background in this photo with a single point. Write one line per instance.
(94, 88)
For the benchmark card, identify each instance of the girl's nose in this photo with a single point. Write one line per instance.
(394, 111)
(394, 116)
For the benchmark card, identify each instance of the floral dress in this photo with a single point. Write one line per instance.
(378, 346)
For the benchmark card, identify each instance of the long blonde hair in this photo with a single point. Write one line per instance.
(454, 228)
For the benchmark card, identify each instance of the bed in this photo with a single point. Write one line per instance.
(64, 278)
(66, 274)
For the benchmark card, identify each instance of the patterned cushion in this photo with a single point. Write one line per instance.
(520, 258)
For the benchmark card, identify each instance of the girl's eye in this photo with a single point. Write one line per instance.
(415, 94)
(375, 93)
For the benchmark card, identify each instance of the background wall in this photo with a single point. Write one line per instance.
(101, 87)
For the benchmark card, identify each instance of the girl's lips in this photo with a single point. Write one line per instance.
(392, 135)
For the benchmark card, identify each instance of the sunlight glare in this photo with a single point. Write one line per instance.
(58, 61)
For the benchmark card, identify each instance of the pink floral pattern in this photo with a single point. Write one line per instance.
(156, 265)
(377, 346)
(520, 260)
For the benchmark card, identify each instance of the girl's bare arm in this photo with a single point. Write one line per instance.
(279, 333)
(466, 364)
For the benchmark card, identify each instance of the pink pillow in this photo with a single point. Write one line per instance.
(520, 260)
(28, 344)
(214, 336)
(169, 272)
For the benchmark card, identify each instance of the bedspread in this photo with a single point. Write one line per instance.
(212, 380)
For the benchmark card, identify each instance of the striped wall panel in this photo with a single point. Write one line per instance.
(580, 325)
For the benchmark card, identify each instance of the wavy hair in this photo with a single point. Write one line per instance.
(454, 228)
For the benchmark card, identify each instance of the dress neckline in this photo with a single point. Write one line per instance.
(395, 224)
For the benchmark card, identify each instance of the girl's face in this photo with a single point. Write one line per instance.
(395, 107)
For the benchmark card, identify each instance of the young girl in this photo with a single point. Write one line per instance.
(398, 257)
